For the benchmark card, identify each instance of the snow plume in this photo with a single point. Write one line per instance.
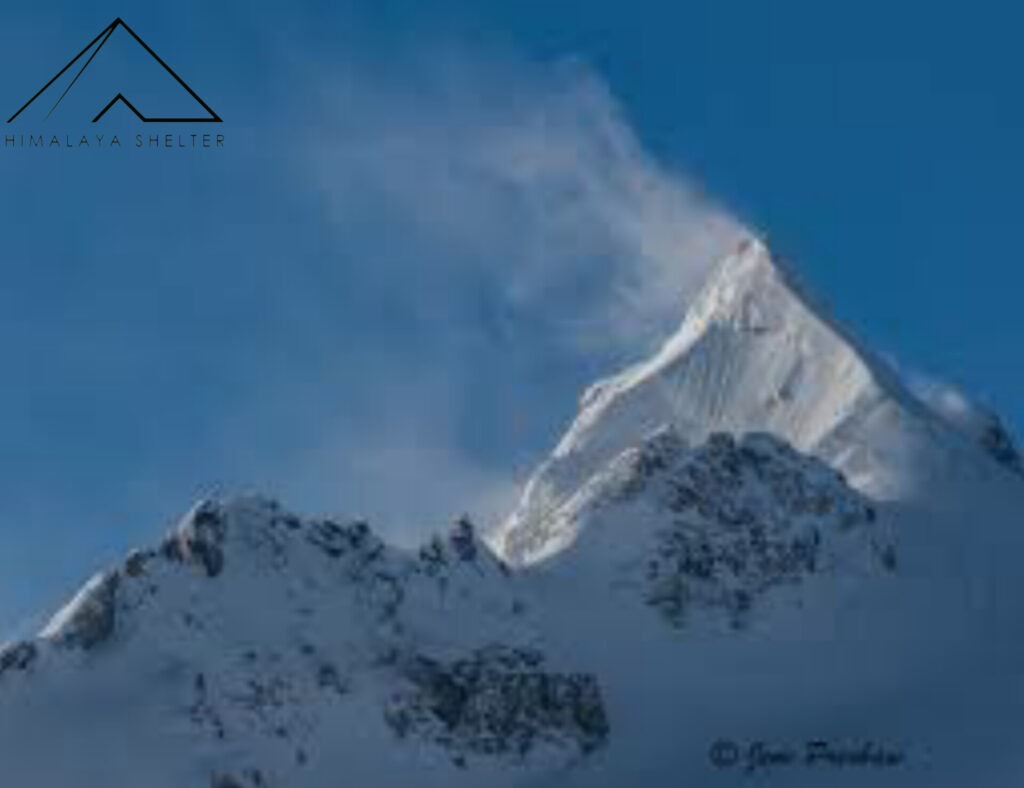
(493, 237)
(531, 178)
(949, 402)
(978, 422)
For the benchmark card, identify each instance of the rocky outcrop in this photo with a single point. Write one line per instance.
(498, 701)
(199, 538)
(17, 657)
(743, 516)
(90, 618)
(997, 441)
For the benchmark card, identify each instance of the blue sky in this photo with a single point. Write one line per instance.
(432, 224)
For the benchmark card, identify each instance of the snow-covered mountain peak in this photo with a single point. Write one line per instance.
(743, 289)
(752, 312)
(755, 353)
(750, 290)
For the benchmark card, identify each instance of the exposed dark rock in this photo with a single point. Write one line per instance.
(290, 521)
(463, 539)
(742, 516)
(17, 656)
(135, 563)
(202, 535)
(171, 550)
(498, 701)
(442, 557)
(199, 539)
(327, 677)
(91, 616)
(339, 540)
(250, 778)
(996, 440)
(432, 557)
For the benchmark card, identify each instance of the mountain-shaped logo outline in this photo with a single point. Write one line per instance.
(105, 34)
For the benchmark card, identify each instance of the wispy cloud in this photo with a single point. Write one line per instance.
(530, 175)
(515, 239)
(974, 419)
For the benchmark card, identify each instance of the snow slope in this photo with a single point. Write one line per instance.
(755, 354)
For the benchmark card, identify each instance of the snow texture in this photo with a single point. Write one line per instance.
(755, 354)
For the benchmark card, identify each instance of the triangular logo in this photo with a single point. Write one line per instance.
(158, 95)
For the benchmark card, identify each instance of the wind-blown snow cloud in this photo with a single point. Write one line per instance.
(512, 239)
(461, 245)
(974, 419)
(531, 177)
